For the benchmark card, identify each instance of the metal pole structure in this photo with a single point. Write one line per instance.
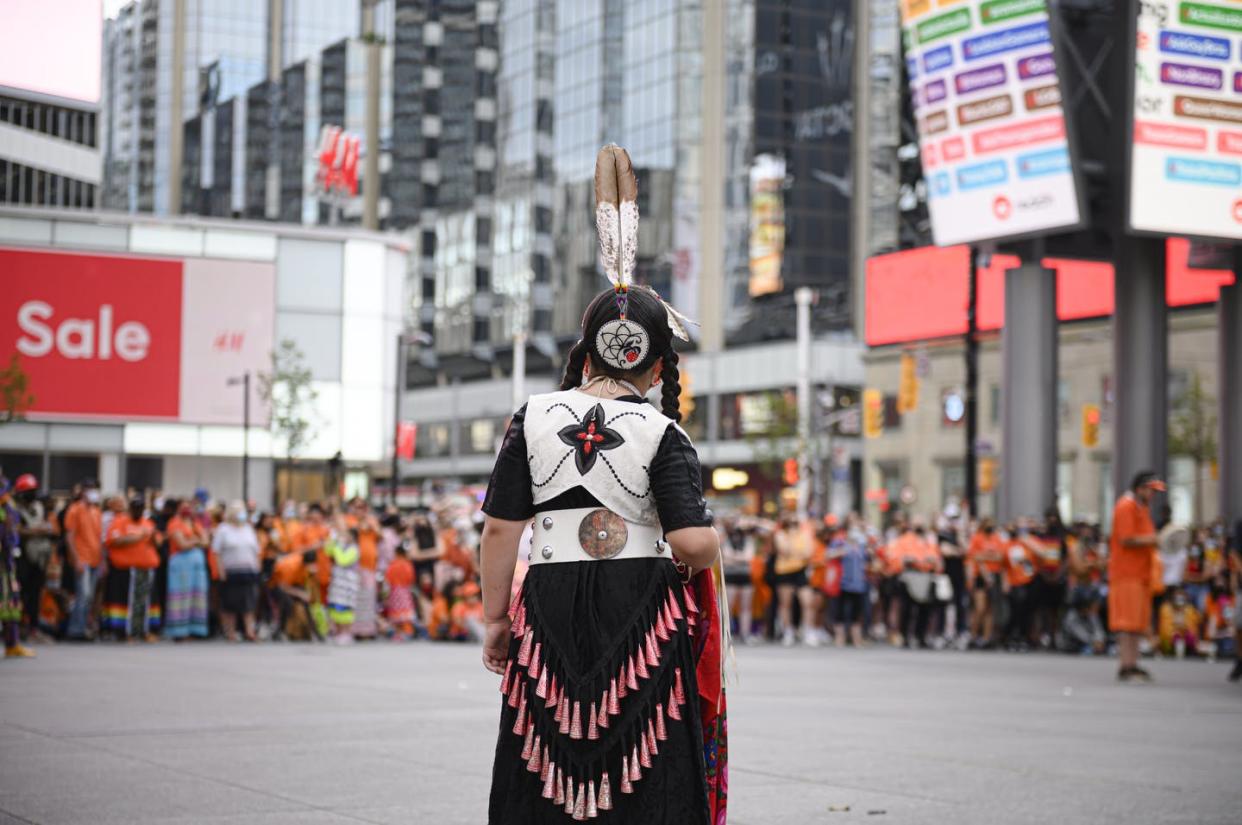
(803, 297)
(972, 387)
(370, 170)
(1229, 365)
(712, 174)
(246, 439)
(860, 162)
(398, 391)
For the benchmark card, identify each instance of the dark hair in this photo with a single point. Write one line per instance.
(1142, 478)
(645, 309)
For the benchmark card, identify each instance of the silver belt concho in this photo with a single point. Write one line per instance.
(593, 534)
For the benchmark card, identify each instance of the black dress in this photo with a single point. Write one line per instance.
(606, 646)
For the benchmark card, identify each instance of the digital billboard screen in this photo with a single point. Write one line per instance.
(987, 100)
(1186, 128)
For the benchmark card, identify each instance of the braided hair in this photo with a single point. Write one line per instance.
(646, 309)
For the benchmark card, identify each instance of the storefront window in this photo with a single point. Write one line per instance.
(434, 441)
(772, 413)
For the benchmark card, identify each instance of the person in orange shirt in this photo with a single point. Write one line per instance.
(919, 560)
(1131, 548)
(83, 531)
(399, 605)
(313, 535)
(1020, 561)
(131, 605)
(986, 561)
(188, 581)
(362, 520)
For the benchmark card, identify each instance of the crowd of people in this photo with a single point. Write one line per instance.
(145, 567)
(950, 581)
(151, 566)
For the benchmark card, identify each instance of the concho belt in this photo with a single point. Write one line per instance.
(593, 534)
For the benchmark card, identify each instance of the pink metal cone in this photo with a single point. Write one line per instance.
(562, 708)
(514, 692)
(546, 772)
(575, 727)
(631, 678)
(549, 782)
(529, 747)
(605, 793)
(675, 607)
(644, 753)
(661, 730)
(541, 689)
(535, 765)
(552, 692)
(535, 660)
(651, 739)
(593, 726)
(569, 795)
(679, 692)
(564, 711)
(626, 787)
(591, 810)
(519, 724)
(621, 680)
(559, 799)
(525, 649)
(661, 628)
(636, 772)
(691, 605)
(673, 711)
(519, 622)
(614, 706)
(653, 653)
(603, 710)
(669, 621)
(640, 665)
(580, 804)
(504, 683)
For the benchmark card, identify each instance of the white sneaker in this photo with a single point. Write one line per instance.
(811, 638)
(788, 639)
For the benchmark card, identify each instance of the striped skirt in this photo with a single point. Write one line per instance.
(365, 612)
(187, 595)
(131, 603)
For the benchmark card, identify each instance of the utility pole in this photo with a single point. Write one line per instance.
(804, 296)
(972, 386)
(176, 113)
(398, 391)
(370, 171)
(244, 381)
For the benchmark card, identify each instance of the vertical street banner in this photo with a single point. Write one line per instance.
(1186, 127)
(987, 98)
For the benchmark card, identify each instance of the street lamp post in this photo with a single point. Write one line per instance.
(405, 340)
(245, 383)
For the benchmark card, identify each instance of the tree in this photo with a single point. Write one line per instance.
(15, 396)
(1192, 432)
(287, 389)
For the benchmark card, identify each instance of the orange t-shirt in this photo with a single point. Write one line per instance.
(1048, 557)
(86, 522)
(987, 552)
(910, 547)
(1019, 564)
(179, 525)
(1130, 519)
(368, 545)
(289, 571)
(141, 554)
(309, 536)
(400, 574)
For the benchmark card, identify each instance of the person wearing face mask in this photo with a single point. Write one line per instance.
(35, 534)
(131, 603)
(83, 529)
(188, 580)
(237, 547)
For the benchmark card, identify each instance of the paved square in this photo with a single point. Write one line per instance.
(381, 733)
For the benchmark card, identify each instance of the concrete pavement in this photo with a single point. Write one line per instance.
(380, 733)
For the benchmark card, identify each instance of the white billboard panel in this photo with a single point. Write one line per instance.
(992, 133)
(1186, 135)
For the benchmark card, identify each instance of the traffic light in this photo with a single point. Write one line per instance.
(1090, 425)
(791, 472)
(873, 413)
(908, 393)
(987, 475)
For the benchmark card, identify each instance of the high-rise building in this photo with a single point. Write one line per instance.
(225, 49)
(49, 109)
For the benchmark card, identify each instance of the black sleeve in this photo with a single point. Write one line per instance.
(677, 483)
(509, 493)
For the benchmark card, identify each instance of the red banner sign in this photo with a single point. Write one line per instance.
(407, 437)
